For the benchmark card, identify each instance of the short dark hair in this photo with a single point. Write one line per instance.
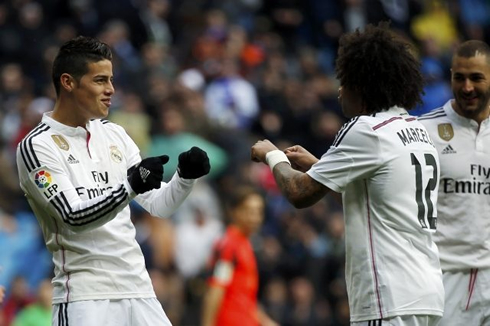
(468, 49)
(75, 55)
(380, 67)
(240, 194)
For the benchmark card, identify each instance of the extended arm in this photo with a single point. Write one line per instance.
(211, 303)
(298, 187)
(162, 202)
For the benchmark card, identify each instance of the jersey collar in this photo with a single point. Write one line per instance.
(64, 129)
(453, 116)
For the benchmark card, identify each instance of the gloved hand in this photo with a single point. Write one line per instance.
(148, 174)
(193, 164)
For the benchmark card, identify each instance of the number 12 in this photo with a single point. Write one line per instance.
(431, 186)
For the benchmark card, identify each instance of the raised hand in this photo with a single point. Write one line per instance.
(193, 164)
(300, 158)
(259, 151)
(147, 175)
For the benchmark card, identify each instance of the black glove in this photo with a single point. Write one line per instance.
(148, 174)
(193, 164)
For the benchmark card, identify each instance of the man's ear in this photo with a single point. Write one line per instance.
(67, 82)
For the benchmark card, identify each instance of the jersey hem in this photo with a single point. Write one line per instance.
(426, 312)
(102, 296)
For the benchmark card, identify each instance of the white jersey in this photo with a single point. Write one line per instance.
(75, 180)
(387, 170)
(463, 233)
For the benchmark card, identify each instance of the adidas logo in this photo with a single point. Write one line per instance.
(144, 173)
(448, 150)
(72, 160)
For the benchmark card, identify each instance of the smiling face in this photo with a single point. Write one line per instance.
(470, 82)
(92, 93)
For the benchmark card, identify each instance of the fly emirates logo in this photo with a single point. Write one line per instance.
(101, 178)
(474, 186)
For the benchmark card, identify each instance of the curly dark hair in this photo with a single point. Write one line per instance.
(380, 67)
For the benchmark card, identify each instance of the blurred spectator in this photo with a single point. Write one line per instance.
(169, 289)
(15, 94)
(29, 117)
(16, 300)
(126, 59)
(156, 239)
(172, 138)
(39, 312)
(9, 183)
(2, 293)
(303, 308)
(231, 100)
(275, 299)
(153, 16)
(435, 22)
(132, 116)
(233, 286)
(475, 19)
(287, 17)
(198, 224)
(32, 30)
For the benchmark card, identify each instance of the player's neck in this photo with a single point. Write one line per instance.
(66, 114)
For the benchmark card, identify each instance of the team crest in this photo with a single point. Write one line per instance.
(446, 131)
(61, 142)
(116, 154)
(43, 179)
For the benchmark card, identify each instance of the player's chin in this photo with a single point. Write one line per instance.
(103, 113)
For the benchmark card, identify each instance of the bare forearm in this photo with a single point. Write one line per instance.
(211, 305)
(298, 187)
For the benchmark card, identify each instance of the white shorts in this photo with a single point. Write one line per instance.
(467, 299)
(123, 312)
(408, 320)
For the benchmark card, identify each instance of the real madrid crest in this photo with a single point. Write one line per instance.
(61, 142)
(446, 131)
(116, 154)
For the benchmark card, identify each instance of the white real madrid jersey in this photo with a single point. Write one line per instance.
(75, 180)
(387, 170)
(463, 233)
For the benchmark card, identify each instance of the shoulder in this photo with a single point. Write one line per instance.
(348, 128)
(225, 248)
(434, 115)
(39, 141)
(107, 124)
(357, 127)
(39, 133)
(109, 128)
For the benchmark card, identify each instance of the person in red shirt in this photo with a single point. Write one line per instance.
(231, 297)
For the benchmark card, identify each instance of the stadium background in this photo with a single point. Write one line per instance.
(218, 74)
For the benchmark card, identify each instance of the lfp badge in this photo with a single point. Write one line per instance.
(42, 179)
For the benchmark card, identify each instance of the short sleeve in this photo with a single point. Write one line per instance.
(224, 265)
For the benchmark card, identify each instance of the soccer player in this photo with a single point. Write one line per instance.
(231, 298)
(385, 166)
(461, 133)
(79, 172)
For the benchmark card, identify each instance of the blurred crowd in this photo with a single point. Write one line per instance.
(217, 74)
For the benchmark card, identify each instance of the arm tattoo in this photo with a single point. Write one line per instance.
(298, 187)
